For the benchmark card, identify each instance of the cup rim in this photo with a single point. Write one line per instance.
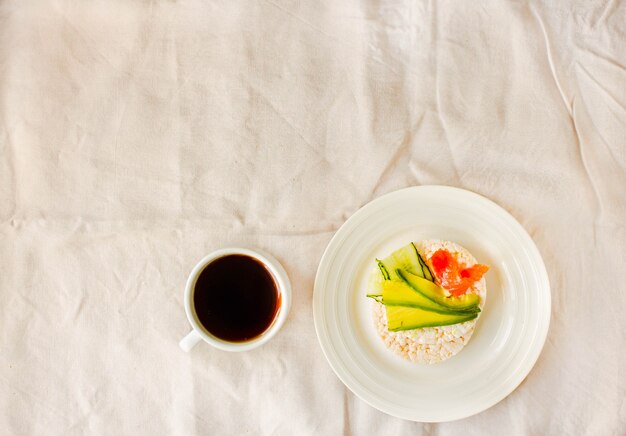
(284, 288)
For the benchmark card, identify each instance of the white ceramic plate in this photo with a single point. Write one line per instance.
(509, 334)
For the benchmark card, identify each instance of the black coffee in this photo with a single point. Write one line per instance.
(236, 298)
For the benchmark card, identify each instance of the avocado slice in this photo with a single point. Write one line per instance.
(401, 294)
(435, 293)
(409, 318)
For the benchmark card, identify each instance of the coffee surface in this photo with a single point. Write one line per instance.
(236, 298)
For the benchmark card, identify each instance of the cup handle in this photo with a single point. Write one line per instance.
(190, 341)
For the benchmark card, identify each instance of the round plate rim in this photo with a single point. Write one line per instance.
(520, 375)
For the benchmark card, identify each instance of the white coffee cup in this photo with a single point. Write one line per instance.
(199, 332)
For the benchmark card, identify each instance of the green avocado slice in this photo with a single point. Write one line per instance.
(401, 294)
(435, 293)
(409, 318)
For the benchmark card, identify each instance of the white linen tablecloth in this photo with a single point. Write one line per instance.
(135, 137)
